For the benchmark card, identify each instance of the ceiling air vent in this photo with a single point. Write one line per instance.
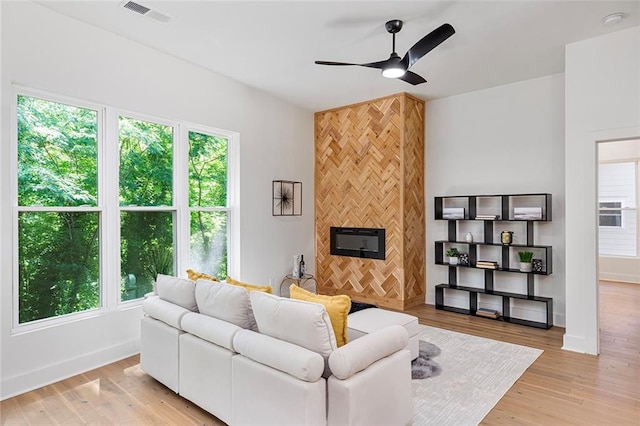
(145, 11)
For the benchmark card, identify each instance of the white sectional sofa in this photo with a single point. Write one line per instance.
(252, 358)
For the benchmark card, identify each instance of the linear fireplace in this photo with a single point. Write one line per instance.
(358, 242)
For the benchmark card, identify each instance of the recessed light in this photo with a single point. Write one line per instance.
(614, 18)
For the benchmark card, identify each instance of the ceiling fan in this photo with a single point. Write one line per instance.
(396, 67)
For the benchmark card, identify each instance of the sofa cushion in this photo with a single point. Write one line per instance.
(210, 329)
(249, 287)
(362, 352)
(295, 321)
(337, 307)
(195, 276)
(177, 290)
(292, 359)
(225, 302)
(167, 312)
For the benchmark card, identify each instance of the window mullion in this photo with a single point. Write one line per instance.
(111, 214)
(181, 199)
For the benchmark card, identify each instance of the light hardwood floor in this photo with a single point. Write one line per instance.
(559, 388)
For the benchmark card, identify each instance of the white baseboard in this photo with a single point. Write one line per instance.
(26, 382)
(574, 343)
(625, 278)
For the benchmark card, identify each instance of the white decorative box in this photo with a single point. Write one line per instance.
(529, 213)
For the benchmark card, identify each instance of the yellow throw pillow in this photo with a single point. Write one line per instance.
(250, 287)
(337, 307)
(195, 276)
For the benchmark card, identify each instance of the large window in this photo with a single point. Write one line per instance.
(617, 208)
(105, 201)
(146, 204)
(209, 214)
(58, 238)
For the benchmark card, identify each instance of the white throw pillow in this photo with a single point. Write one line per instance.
(302, 323)
(176, 290)
(224, 301)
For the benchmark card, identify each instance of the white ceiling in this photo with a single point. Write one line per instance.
(271, 45)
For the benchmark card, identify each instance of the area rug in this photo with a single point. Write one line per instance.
(476, 373)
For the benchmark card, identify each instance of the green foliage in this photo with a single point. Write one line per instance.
(209, 242)
(208, 188)
(525, 256)
(207, 170)
(146, 163)
(57, 154)
(58, 269)
(453, 252)
(146, 247)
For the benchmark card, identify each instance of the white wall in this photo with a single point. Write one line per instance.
(47, 51)
(503, 140)
(602, 97)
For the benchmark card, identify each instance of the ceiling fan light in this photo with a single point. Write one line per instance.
(393, 72)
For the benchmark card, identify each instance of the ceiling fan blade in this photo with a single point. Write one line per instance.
(333, 63)
(379, 64)
(412, 78)
(427, 44)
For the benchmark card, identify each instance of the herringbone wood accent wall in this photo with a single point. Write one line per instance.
(369, 173)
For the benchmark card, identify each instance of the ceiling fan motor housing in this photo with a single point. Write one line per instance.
(393, 26)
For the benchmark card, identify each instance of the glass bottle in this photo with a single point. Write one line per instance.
(302, 266)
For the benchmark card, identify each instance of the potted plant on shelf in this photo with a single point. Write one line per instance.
(452, 254)
(525, 260)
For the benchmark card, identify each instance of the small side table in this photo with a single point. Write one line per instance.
(307, 282)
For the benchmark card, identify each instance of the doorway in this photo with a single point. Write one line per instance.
(618, 223)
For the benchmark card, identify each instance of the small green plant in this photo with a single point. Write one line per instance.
(525, 256)
(453, 252)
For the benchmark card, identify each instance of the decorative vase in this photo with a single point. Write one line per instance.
(506, 237)
(453, 261)
(469, 237)
(296, 266)
(525, 267)
(537, 265)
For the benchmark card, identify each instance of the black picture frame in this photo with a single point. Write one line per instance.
(286, 198)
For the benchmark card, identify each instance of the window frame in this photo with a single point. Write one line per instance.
(17, 209)
(109, 209)
(602, 212)
(233, 196)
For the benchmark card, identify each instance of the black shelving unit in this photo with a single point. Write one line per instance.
(500, 206)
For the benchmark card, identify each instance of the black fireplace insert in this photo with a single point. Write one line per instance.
(358, 242)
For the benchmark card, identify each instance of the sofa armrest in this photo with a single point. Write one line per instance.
(210, 329)
(164, 311)
(357, 355)
(283, 356)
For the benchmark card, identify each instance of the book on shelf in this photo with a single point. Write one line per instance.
(487, 311)
(487, 264)
(487, 314)
(487, 216)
